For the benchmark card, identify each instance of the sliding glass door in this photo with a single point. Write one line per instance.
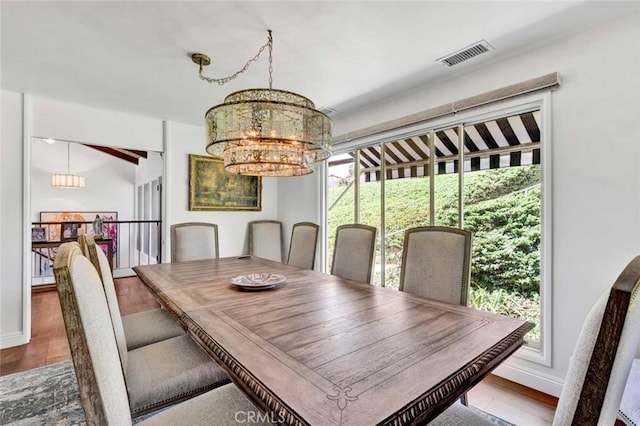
(481, 176)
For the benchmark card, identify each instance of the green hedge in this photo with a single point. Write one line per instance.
(502, 209)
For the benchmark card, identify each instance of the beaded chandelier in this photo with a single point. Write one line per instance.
(265, 132)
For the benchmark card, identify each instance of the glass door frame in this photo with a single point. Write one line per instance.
(536, 101)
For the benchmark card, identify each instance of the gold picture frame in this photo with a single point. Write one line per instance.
(211, 188)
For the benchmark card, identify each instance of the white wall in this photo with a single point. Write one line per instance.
(149, 168)
(182, 140)
(12, 318)
(299, 201)
(596, 166)
(79, 123)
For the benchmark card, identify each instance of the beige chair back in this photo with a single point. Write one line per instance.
(629, 411)
(82, 242)
(603, 355)
(265, 239)
(354, 252)
(194, 241)
(601, 361)
(302, 249)
(94, 351)
(100, 262)
(436, 263)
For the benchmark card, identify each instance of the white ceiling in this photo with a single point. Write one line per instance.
(135, 56)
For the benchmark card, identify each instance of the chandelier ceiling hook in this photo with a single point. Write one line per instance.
(201, 59)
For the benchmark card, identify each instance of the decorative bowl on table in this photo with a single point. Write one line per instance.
(259, 281)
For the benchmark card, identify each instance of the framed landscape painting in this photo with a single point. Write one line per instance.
(212, 188)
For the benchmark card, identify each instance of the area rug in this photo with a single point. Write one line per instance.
(49, 396)
(42, 396)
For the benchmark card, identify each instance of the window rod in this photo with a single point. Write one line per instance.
(547, 81)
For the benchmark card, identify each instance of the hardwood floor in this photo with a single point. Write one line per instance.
(513, 402)
(510, 401)
(48, 337)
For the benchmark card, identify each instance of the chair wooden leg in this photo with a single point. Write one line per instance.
(463, 400)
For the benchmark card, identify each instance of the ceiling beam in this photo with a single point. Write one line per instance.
(130, 156)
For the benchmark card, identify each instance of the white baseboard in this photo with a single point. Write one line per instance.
(13, 339)
(49, 279)
(531, 378)
(122, 273)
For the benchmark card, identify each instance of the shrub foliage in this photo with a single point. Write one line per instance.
(502, 209)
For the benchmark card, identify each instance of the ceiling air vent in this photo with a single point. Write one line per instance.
(466, 53)
(327, 110)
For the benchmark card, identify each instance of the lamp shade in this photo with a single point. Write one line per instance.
(67, 181)
(266, 132)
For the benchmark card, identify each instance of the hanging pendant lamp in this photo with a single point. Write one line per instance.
(265, 132)
(67, 181)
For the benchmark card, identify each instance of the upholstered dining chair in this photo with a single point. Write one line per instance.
(160, 373)
(600, 364)
(436, 263)
(96, 360)
(354, 252)
(194, 241)
(302, 248)
(141, 328)
(629, 411)
(265, 239)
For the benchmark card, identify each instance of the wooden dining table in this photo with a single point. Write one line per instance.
(317, 349)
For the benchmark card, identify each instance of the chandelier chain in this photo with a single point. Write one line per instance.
(225, 80)
(270, 43)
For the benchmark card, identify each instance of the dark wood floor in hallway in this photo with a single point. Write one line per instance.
(503, 398)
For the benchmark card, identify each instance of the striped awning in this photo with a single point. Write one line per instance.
(504, 142)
